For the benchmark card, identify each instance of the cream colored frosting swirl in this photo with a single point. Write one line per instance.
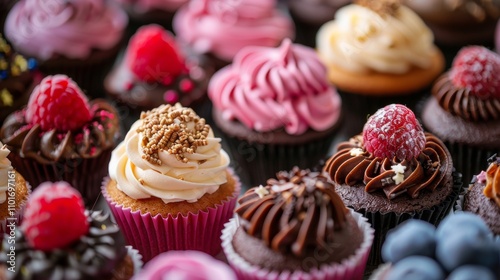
(173, 180)
(361, 40)
(5, 167)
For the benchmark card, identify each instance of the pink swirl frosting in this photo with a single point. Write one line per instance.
(223, 27)
(270, 88)
(71, 28)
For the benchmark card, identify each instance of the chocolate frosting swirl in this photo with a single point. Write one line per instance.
(99, 134)
(461, 102)
(295, 213)
(492, 188)
(354, 166)
(95, 254)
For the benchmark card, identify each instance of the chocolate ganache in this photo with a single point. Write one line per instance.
(94, 255)
(296, 213)
(99, 134)
(352, 165)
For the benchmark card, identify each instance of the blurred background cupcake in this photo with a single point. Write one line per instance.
(482, 197)
(296, 227)
(276, 110)
(18, 77)
(60, 135)
(464, 109)
(170, 187)
(185, 265)
(378, 53)
(461, 247)
(309, 15)
(155, 70)
(221, 28)
(60, 240)
(78, 38)
(393, 172)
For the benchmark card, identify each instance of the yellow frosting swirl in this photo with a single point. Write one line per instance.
(5, 167)
(360, 40)
(173, 180)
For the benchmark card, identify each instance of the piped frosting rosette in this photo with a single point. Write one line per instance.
(73, 29)
(224, 27)
(271, 88)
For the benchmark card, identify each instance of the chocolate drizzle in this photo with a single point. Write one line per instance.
(354, 166)
(295, 213)
(462, 103)
(95, 254)
(99, 134)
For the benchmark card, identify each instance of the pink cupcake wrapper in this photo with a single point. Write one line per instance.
(18, 215)
(154, 235)
(351, 268)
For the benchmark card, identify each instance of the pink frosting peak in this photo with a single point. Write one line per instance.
(223, 27)
(185, 265)
(270, 88)
(47, 28)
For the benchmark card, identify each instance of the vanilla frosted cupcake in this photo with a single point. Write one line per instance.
(379, 48)
(171, 171)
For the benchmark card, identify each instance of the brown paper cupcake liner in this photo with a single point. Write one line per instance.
(85, 175)
(18, 214)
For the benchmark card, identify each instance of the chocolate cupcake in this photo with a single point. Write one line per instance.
(296, 227)
(60, 135)
(18, 77)
(60, 240)
(394, 172)
(155, 70)
(464, 109)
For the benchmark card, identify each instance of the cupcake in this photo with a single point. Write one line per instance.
(296, 227)
(185, 265)
(14, 192)
(464, 109)
(78, 38)
(18, 77)
(60, 240)
(392, 172)
(460, 22)
(154, 71)
(309, 15)
(221, 28)
(461, 247)
(276, 109)
(483, 196)
(170, 187)
(378, 53)
(60, 135)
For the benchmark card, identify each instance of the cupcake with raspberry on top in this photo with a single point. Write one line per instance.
(61, 135)
(60, 240)
(155, 70)
(464, 109)
(392, 172)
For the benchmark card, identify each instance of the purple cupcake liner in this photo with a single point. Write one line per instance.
(83, 174)
(154, 235)
(18, 214)
(350, 268)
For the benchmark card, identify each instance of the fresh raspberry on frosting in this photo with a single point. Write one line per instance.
(54, 216)
(58, 103)
(393, 131)
(153, 55)
(477, 69)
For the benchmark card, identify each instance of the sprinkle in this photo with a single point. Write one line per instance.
(170, 96)
(6, 97)
(356, 152)
(186, 85)
(261, 191)
(399, 169)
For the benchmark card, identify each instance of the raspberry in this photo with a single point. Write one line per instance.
(393, 131)
(58, 103)
(153, 55)
(477, 69)
(54, 216)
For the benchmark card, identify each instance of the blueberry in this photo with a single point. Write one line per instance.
(416, 268)
(467, 246)
(460, 221)
(471, 272)
(413, 237)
